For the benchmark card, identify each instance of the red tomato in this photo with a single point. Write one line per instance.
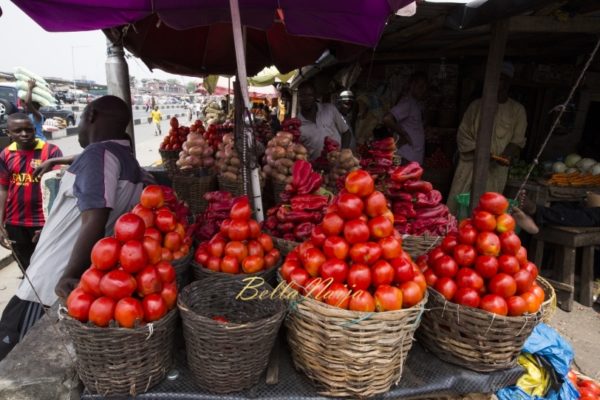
(390, 247)
(532, 269)
(253, 264)
(486, 266)
(332, 224)
(201, 255)
(255, 249)
(382, 273)
(412, 294)
(312, 261)
(224, 227)
(403, 270)
(591, 386)
(522, 257)
(465, 222)
(467, 296)
(464, 255)
(359, 277)
(493, 202)
(166, 255)
(144, 213)
(508, 264)
(449, 243)
(356, 231)
(505, 223)
(133, 256)
(524, 281)
(586, 393)
(303, 247)
(128, 311)
(360, 183)
(388, 298)
(117, 284)
(430, 277)
(152, 197)
(517, 306)
(102, 311)
(484, 221)
(337, 295)
(153, 249)
(365, 253)
(241, 210)
(467, 235)
(335, 269)
(287, 267)
(213, 263)
(165, 271)
(239, 230)
(129, 227)
(172, 241)
(254, 228)
(447, 287)
(376, 204)
(445, 266)
(539, 292)
(350, 206)
(434, 255)
(154, 307)
(90, 281)
(148, 281)
(265, 241)
(336, 247)
(317, 236)
(105, 253)
(180, 229)
(229, 265)
(298, 278)
(165, 221)
(154, 234)
(466, 277)
(272, 258)
(510, 243)
(236, 249)
(503, 285)
(362, 300)
(487, 244)
(216, 247)
(494, 304)
(380, 227)
(169, 294)
(419, 279)
(78, 304)
(533, 302)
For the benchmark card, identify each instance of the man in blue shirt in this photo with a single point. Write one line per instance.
(32, 108)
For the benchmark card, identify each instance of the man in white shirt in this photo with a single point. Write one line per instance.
(319, 120)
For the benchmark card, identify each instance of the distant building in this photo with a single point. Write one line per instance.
(158, 86)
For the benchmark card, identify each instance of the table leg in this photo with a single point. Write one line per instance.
(537, 249)
(587, 276)
(567, 273)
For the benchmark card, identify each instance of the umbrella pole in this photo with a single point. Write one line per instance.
(236, 24)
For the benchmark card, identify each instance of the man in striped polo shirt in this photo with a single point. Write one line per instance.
(21, 215)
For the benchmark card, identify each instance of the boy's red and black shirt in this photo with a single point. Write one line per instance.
(24, 202)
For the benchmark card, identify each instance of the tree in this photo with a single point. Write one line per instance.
(191, 87)
(172, 81)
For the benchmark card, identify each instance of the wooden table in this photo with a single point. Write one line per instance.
(567, 240)
(542, 194)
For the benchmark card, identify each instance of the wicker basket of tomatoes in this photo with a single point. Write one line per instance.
(191, 189)
(419, 245)
(484, 299)
(238, 250)
(360, 296)
(228, 338)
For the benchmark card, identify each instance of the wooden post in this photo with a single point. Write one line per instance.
(489, 105)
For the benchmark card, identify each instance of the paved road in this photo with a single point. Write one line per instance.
(146, 143)
(140, 114)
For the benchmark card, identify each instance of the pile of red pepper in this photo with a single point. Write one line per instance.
(377, 157)
(417, 207)
(292, 125)
(208, 223)
(181, 210)
(303, 208)
(321, 163)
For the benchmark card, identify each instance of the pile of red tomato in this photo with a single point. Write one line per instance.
(131, 279)
(354, 259)
(587, 388)
(483, 265)
(177, 135)
(240, 246)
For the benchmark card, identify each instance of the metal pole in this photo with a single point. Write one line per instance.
(117, 80)
(242, 75)
(294, 110)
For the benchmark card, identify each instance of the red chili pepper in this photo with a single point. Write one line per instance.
(287, 227)
(433, 212)
(289, 236)
(303, 231)
(410, 171)
(309, 202)
(404, 208)
(397, 195)
(424, 200)
(418, 186)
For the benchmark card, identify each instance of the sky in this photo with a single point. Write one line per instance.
(79, 55)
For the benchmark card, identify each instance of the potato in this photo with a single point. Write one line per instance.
(345, 155)
(234, 161)
(289, 179)
(208, 152)
(278, 152)
(233, 170)
(230, 176)
(279, 177)
(286, 162)
(300, 149)
(267, 169)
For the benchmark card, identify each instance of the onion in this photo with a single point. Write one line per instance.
(595, 170)
(559, 167)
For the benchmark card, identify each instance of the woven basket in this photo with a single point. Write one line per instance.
(349, 353)
(169, 160)
(182, 269)
(419, 245)
(549, 304)
(232, 356)
(473, 338)
(200, 273)
(122, 361)
(284, 246)
(191, 189)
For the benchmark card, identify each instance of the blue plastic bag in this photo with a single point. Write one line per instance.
(546, 342)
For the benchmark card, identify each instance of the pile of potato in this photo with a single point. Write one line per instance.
(196, 153)
(341, 162)
(280, 155)
(229, 163)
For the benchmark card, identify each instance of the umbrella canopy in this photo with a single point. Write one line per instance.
(354, 21)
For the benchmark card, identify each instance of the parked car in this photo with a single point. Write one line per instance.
(58, 111)
(65, 97)
(9, 101)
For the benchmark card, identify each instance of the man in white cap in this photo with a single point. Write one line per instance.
(345, 106)
(508, 138)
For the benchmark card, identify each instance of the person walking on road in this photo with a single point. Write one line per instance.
(156, 119)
